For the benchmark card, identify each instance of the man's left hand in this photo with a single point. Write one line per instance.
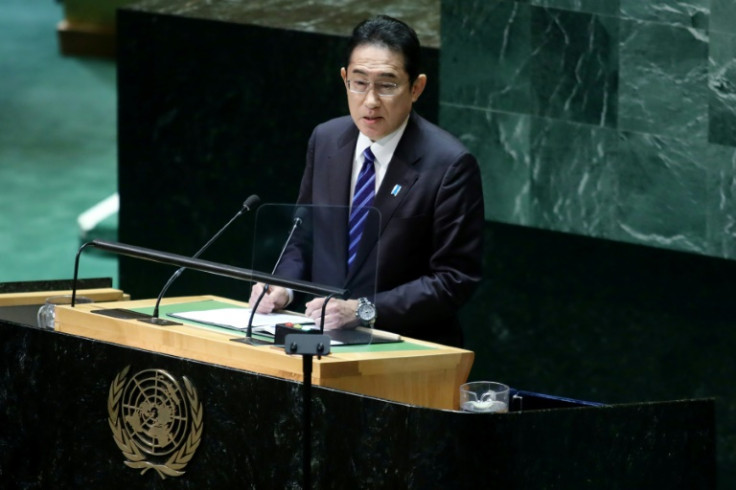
(339, 313)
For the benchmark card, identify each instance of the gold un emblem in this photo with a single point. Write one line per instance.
(155, 423)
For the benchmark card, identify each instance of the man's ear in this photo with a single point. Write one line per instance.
(418, 87)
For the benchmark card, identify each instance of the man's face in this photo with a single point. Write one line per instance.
(379, 115)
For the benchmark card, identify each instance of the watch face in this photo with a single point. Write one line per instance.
(366, 312)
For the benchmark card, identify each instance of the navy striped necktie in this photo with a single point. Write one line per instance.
(365, 191)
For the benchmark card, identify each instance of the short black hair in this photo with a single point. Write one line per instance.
(393, 34)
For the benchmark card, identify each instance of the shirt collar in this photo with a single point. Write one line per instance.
(384, 148)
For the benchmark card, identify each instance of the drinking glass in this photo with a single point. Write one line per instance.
(47, 313)
(484, 397)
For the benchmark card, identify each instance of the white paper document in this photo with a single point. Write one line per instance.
(237, 318)
(264, 324)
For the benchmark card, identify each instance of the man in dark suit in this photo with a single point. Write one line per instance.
(426, 260)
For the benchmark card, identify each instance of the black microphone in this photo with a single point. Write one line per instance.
(299, 216)
(250, 203)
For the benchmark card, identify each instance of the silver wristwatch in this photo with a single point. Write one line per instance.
(366, 312)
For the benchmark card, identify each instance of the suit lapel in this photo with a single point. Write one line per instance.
(340, 164)
(396, 186)
(401, 174)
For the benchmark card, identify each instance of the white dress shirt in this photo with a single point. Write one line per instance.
(382, 149)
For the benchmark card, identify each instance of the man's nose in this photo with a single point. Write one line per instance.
(372, 99)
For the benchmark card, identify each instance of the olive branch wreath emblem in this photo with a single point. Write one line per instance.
(135, 458)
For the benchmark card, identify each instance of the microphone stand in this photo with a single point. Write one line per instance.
(308, 346)
(324, 307)
(204, 266)
(249, 331)
(249, 203)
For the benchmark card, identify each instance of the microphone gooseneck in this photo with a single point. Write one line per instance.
(296, 223)
(76, 273)
(251, 202)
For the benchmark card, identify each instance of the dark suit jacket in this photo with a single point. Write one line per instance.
(429, 249)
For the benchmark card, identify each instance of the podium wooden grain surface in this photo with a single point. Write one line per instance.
(39, 297)
(415, 372)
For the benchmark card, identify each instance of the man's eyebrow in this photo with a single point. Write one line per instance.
(387, 74)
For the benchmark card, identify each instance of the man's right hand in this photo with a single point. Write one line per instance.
(275, 299)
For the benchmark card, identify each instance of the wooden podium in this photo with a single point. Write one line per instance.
(413, 371)
(38, 297)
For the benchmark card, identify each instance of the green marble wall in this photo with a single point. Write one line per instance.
(606, 118)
